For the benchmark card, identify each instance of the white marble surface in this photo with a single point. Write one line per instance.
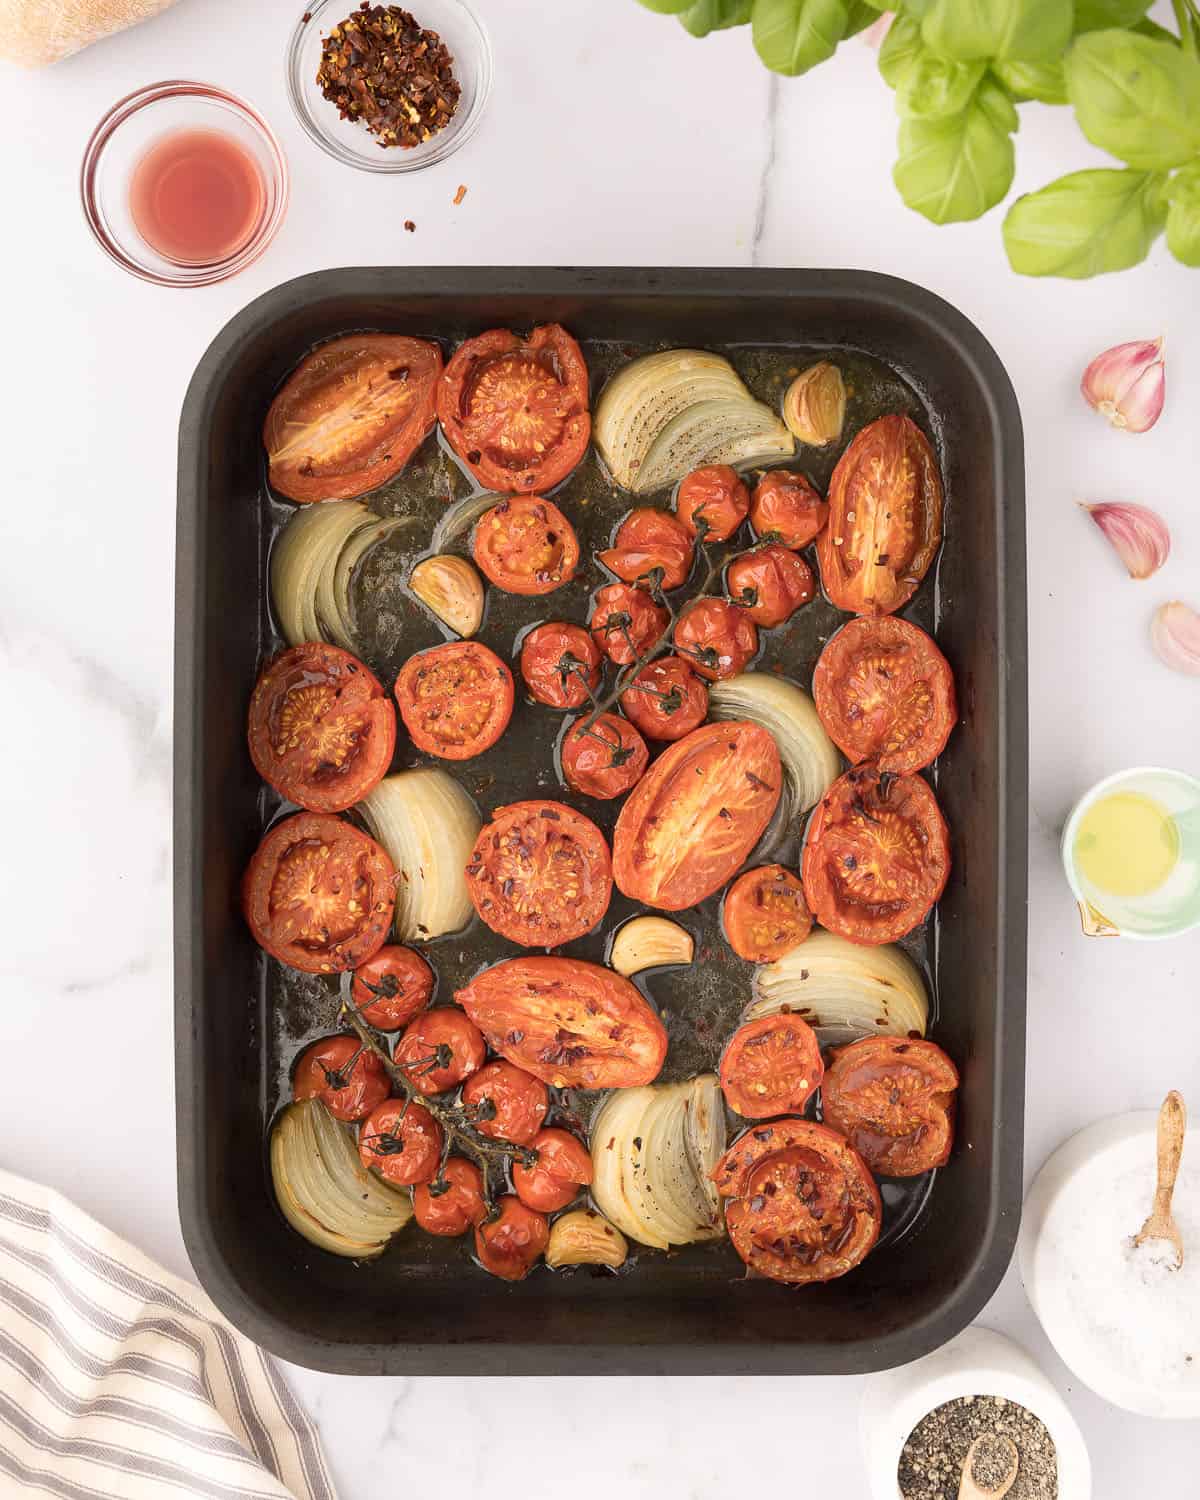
(612, 138)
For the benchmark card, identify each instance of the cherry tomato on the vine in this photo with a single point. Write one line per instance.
(712, 502)
(666, 700)
(560, 664)
(605, 758)
(626, 622)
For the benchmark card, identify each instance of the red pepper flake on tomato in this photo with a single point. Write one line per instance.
(344, 1075)
(605, 758)
(892, 1099)
(666, 700)
(712, 502)
(505, 1102)
(770, 584)
(402, 1142)
(525, 545)
(516, 410)
(561, 664)
(771, 1066)
(626, 622)
(455, 700)
(649, 539)
(511, 1244)
(786, 509)
(716, 637)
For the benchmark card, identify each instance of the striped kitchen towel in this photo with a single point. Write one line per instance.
(118, 1381)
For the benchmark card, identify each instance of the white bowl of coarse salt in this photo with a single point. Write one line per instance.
(1121, 1318)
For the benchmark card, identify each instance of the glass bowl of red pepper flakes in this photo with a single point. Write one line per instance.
(388, 90)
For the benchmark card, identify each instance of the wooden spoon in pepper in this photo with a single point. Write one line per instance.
(989, 1469)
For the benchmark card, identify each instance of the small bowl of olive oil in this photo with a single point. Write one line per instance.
(1131, 850)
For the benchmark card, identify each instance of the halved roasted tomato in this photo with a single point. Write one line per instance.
(351, 415)
(885, 694)
(344, 1074)
(570, 1023)
(525, 545)
(885, 518)
(876, 857)
(540, 873)
(511, 1244)
(893, 1099)
(319, 894)
(712, 502)
(765, 915)
(455, 700)
(771, 1066)
(321, 729)
(648, 539)
(786, 508)
(716, 637)
(516, 410)
(560, 663)
(626, 622)
(666, 700)
(696, 814)
(770, 583)
(605, 758)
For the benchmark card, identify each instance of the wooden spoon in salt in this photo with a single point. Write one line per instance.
(1172, 1123)
(995, 1456)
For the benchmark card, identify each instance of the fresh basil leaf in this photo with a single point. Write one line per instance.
(1136, 98)
(1183, 215)
(703, 16)
(933, 87)
(1086, 223)
(791, 36)
(918, 8)
(667, 7)
(957, 168)
(1044, 81)
(1147, 27)
(861, 15)
(1030, 30)
(1099, 15)
(901, 47)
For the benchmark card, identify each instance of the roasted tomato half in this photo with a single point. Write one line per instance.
(885, 518)
(540, 873)
(885, 694)
(570, 1023)
(454, 1202)
(402, 1141)
(696, 814)
(770, 583)
(647, 539)
(560, 664)
(716, 637)
(506, 1102)
(805, 1207)
(605, 758)
(440, 1049)
(351, 415)
(893, 1100)
(516, 410)
(563, 1166)
(771, 1066)
(511, 1244)
(766, 915)
(666, 700)
(347, 1077)
(526, 546)
(712, 502)
(786, 508)
(626, 622)
(455, 700)
(876, 857)
(319, 894)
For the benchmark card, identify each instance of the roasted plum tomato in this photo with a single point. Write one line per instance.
(540, 873)
(351, 415)
(570, 1023)
(647, 539)
(765, 914)
(786, 508)
(319, 894)
(605, 758)
(694, 817)
(876, 857)
(440, 1049)
(525, 545)
(516, 410)
(560, 664)
(885, 694)
(712, 502)
(771, 1066)
(511, 1244)
(321, 729)
(455, 700)
(626, 622)
(347, 1077)
(666, 700)
(805, 1207)
(893, 1099)
(885, 519)
(401, 1141)
(505, 1102)
(563, 1166)
(391, 988)
(770, 583)
(716, 637)
(454, 1207)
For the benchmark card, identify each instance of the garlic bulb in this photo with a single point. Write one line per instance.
(1127, 384)
(1175, 634)
(649, 942)
(585, 1238)
(451, 588)
(1137, 534)
(814, 407)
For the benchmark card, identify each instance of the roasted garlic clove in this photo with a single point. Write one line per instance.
(451, 588)
(647, 943)
(814, 407)
(585, 1238)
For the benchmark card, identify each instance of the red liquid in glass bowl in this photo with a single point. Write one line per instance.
(197, 196)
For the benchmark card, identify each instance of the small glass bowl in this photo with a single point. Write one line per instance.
(350, 142)
(122, 138)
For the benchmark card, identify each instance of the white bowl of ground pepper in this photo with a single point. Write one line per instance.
(917, 1423)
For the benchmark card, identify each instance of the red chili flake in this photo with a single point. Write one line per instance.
(461, 194)
(409, 225)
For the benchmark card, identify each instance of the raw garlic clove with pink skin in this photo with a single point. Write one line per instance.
(1137, 534)
(1127, 384)
(1175, 635)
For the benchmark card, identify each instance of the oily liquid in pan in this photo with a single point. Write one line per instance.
(700, 1005)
